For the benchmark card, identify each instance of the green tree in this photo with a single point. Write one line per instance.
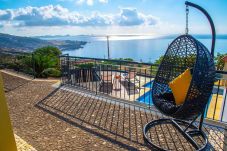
(85, 65)
(128, 59)
(219, 62)
(178, 60)
(46, 61)
(159, 60)
(48, 51)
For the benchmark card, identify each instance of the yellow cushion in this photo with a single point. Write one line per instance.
(180, 86)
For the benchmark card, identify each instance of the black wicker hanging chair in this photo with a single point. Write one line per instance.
(185, 52)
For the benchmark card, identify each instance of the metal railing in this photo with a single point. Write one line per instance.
(132, 81)
(217, 106)
(118, 78)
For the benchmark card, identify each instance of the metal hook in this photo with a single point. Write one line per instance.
(210, 21)
(187, 12)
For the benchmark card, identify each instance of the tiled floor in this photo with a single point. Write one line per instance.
(23, 145)
(69, 119)
(120, 122)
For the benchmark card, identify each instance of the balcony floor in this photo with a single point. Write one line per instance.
(74, 119)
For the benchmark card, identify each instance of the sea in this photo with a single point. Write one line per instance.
(139, 48)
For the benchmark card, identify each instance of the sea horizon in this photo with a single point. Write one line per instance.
(142, 48)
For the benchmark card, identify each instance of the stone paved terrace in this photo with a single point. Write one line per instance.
(67, 119)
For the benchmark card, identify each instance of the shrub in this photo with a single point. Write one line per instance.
(46, 58)
(50, 72)
(219, 62)
(85, 65)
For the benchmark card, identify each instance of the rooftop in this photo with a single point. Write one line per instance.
(69, 118)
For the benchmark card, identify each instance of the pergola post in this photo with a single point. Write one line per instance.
(7, 140)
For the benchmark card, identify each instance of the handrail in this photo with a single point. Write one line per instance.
(221, 72)
(210, 21)
(113, 60)
(124, 61)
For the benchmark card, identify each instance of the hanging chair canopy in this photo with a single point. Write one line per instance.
(185, 52)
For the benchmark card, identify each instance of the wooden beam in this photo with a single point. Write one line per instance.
(7, 140)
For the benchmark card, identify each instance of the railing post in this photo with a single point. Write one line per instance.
(120, 79)
(96, 86)
(60, 65)
(224, 104)
(216, 101)
(151, 71)
(201, 120)
(108, 46)
(68, 70)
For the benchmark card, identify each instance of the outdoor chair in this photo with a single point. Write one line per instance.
(106, 83)
(131, 82)
(186, 62)
(131, 79)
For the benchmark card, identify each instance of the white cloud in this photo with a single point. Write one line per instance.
(130, 16)
(90, 2)
(5, 14)
(59, 16)
(103, 1)
(79, 2)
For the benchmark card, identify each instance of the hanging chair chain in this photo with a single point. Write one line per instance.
(187, 12)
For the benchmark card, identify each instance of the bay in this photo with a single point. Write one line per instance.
(139, 48)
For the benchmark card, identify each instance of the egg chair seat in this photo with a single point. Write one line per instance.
(185, 52)
(166, 103)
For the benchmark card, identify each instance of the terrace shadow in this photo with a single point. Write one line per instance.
(118, 122)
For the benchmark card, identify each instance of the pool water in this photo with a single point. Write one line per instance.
(148, 85)
(147, 97)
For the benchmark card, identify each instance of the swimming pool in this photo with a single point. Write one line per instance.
(148, 85)
(147, 97)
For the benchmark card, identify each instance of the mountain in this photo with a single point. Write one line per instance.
(28, 44)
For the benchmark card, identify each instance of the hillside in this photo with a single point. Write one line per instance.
(28, 44)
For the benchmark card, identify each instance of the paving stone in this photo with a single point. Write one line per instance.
(67, 120)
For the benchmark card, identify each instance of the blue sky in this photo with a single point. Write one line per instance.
(150, 17)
